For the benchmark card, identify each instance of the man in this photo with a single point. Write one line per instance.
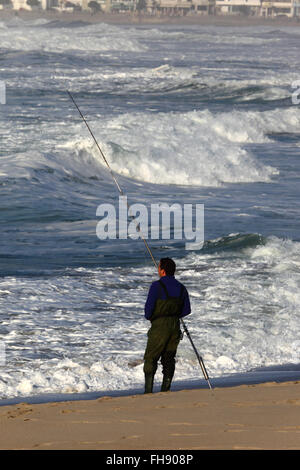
(167, 301)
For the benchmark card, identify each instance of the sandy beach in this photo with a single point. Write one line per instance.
(134, 19)
(264, 416)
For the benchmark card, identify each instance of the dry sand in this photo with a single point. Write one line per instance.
(133, 19)
(264, 416)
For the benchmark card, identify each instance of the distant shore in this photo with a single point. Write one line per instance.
(131, 19)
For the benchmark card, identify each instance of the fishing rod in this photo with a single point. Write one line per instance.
(110, 170)
(200, 360)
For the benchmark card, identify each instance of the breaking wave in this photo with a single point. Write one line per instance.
(195, 148)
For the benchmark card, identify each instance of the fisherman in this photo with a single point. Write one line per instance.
(167, 301)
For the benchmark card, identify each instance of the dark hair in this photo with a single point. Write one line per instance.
(168, 265)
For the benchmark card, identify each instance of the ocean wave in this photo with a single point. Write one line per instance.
(101, 37)
(233, 242)
(170, 79)
(85, 331)
(196, 148)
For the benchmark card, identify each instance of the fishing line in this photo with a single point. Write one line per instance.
(200, 360)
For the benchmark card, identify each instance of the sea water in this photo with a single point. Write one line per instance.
(185, 114)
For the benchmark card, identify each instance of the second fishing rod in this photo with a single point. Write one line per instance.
(199, 358)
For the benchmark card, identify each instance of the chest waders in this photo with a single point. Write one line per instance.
(163, 339)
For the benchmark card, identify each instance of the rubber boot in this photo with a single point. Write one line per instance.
(149, 378)
(166, 384)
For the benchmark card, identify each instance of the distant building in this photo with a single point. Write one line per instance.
(282, 8)
(181, 7)
(173, 7)
(238, 7)
(288, 8)
(20, 5)
(204, 6)
(296, 8)
(123, 6)
(271, 9)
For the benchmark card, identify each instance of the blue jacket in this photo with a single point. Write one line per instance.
(173, 287)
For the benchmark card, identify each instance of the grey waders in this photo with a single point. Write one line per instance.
(163, 339)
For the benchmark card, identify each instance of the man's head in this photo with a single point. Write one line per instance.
(166, 267)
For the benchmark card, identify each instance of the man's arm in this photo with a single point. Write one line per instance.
(151, 300)
(186, 309)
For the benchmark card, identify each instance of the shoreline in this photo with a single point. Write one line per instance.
(263, 417)
(279, 374)
(133, 20)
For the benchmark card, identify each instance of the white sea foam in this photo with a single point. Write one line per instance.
(233, 36)
(195, 148)
(73, 334)
(255, 302)
(84, 330)
(166, 77)
(100, 37)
